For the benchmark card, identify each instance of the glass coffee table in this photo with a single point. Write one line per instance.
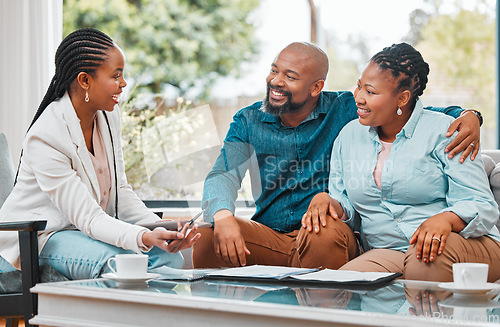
(103, 302)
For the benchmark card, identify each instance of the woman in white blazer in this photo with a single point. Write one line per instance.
(72, 173)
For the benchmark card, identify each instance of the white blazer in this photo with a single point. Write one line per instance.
(57, 182)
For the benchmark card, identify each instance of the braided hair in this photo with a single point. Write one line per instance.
(83, 50)
(407, 66)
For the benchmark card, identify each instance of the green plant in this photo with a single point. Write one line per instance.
(183, 43)
(168, 148)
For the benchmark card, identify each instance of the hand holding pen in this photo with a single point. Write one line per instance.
(189, 224)
(173, 241)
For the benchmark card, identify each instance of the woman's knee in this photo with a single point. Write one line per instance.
(159, 258)
(439, 270)
(77, 256)
(377, 260)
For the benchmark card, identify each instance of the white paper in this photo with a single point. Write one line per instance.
(328, 275)
(168, 273)
(259, 271)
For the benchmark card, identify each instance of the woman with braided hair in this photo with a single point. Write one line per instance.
(72, 174)
(418, 211)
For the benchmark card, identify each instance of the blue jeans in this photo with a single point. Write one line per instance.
(77, 256)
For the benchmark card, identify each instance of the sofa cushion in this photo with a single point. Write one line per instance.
(489, 163)
(6, 169)
(495, 177)
(495, 185)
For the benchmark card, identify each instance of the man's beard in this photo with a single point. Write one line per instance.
(285, 108)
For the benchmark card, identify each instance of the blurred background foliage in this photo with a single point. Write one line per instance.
(184, 44)
(460, 47)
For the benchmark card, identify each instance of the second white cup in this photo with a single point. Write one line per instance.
(470, 275)
(129, 265)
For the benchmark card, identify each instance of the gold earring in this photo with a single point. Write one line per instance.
(87, 96)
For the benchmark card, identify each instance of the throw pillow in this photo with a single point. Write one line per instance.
(489, 164)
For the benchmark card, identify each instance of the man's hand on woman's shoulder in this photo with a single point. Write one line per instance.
(468, 137)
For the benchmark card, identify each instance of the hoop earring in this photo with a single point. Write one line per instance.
(87, 96)
(399, 112)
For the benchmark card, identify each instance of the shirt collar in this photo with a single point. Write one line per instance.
(411, 124)
(324, 104)
(267, 117)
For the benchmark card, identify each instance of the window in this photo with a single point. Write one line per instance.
(193, 66)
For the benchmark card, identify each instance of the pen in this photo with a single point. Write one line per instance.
(189, 223)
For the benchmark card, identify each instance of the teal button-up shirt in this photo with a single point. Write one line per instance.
(418, 181)
(287, 165)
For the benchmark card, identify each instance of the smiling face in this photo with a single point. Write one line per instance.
(105, 86)
(378, 99)
(291, 81)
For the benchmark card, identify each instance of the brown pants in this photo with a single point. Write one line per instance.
(480, 249)
(332, 247)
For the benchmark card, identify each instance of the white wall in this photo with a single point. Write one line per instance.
(30, 31)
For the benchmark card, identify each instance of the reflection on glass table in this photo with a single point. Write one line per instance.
(402, 298)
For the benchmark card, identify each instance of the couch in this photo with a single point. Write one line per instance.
(491, 159)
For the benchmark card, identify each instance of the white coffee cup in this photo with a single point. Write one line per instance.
(129, 265)
(470, 275)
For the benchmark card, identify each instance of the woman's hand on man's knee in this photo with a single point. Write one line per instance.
(321, 208)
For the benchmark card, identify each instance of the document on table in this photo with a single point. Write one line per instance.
(343, 276)
(302, 275)
(279, 274)
(259, 271)
(168, 273)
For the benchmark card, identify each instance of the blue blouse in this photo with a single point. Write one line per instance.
(418, 181)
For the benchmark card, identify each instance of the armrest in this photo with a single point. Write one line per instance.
(32, 225)
(28, 247)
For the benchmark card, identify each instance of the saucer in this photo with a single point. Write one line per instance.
(468, 302)
(470, 291)
(131, 280)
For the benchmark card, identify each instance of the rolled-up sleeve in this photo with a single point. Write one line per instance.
(221, 186)
(336, 187)
(469, 195)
